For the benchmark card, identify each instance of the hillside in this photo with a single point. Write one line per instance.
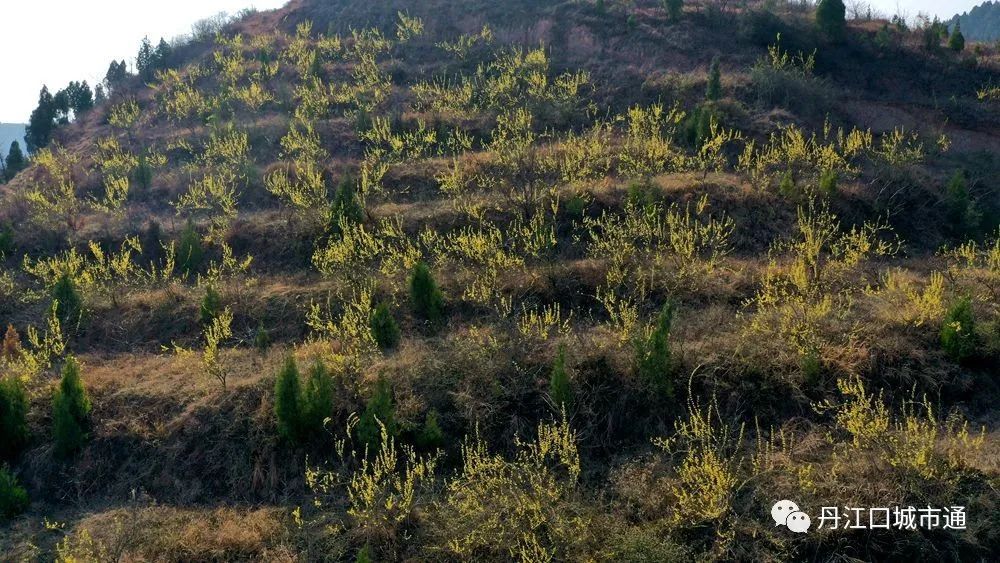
(524, 280)
(981, 23)
(10, 132)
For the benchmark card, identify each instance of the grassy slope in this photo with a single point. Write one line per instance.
(222, 480)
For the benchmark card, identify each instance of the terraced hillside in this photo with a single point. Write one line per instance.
(540, 281)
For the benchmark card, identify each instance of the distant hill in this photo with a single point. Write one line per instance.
(981, 23)
(10, 132)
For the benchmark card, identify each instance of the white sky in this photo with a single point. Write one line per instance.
(55, 41)
(52, 42)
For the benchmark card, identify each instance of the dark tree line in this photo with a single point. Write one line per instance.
(14, 163)
(74, 100)
(78, 98)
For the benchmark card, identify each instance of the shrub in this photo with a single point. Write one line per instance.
(317, 399)
(189, 250)
(714, 90)
(831, 18)
(211, 305)
(288, 400)
(384, 329)
(70, 411)
(428, 302)
(379, 411)
(560, 391)
(13, 417)
(654, 359)
(958, 334)
(69, 304)
(13, 497)
(430, 437)
(11, 347)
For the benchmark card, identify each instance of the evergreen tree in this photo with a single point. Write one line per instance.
(961, 211)
(211, 305)
(162, 55)
(13, 497)
(346, 204)
(189, 250)
(288, 400)
(13, 417)
(80, 98)
(957, 41)
(384, 329)
(60, 102)
(152, 244)
(714, 90)
(69, 305)
(116, 76)
(674, 9)
(379, 412)
(654, 358)
(145, 61)
(6, 240)
(317, 398)
(38, 133)
(99, 96)
(15, 161)
(430, 437)
(831, 17)
(958, 334)
(560, 391)
(70, 410)
(828, 182)
(427, 300)
(261, 339)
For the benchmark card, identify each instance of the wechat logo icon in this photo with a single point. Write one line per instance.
(787, 513)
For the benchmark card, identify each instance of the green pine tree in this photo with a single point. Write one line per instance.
(70, 411)
(211, 305)
(13, 497)
(714, 90)
(430, 437)
(189, 250)
(13, 417)
(379, 412)
(345, 203)
(831, 17)
(958, 333)
(957, 41)
(655, 364)
(288, 400)
(261, 339)
(428, 303)
(384, 329)
(317, 398)
(560, 391)
(68, 303)
(674, 9)
(15, 161)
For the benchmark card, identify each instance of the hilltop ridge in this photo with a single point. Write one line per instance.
(533, 280)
